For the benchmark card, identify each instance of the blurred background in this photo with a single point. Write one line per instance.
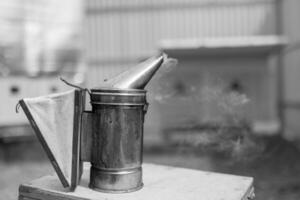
(231, 105)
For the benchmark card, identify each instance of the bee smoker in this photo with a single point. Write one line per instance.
(110, 136)
(117, 130)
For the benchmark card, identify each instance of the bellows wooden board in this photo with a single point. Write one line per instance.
(56, 120)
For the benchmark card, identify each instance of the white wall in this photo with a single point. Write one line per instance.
(291, 68)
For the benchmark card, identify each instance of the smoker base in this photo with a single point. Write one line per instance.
(121, 181)
(161, 182)
(118, 191)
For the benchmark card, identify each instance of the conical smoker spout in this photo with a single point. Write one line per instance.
(138, 76)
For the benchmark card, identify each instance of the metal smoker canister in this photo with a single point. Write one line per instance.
(117, 150)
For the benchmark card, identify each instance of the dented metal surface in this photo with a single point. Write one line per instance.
(117, 139)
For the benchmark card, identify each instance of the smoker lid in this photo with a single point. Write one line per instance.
(113, 96)
(117, 90)
(56, 120)
(226, 46)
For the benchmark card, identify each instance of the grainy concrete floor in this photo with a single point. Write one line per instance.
(276, 173)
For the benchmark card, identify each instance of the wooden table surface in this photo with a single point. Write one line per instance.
(160, 182)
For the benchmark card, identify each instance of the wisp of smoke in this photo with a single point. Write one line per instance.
(229, 133)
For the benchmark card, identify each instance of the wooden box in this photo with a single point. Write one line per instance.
(160, 182)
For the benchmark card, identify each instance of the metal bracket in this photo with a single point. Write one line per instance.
(86, 136)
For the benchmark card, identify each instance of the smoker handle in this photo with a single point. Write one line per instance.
(145, 108)
(86, 136)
